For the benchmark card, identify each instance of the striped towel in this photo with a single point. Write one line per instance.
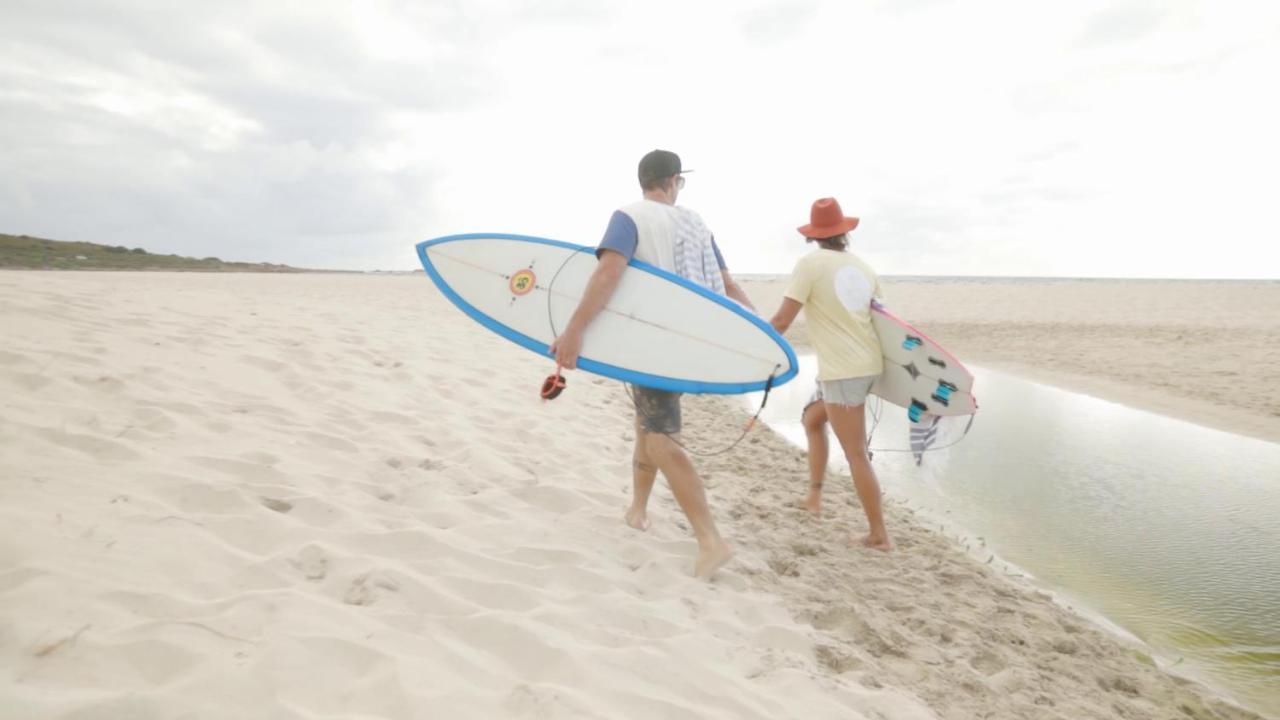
(923, 433)
(695, 259)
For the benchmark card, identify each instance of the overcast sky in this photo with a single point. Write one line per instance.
(1129, 139)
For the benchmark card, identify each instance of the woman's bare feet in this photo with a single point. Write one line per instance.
(638, 519)
(711, 558)
(813, 502)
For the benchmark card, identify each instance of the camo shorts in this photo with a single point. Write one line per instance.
(658, 410)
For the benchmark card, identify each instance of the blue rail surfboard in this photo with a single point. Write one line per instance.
(658, 330)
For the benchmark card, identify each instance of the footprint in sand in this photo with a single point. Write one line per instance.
(784, 566)
(805, 549)
(987, 663)
(279, 506)
(870, 682)
(1120, 684)
(366, 589)
(837, 660)
(1065, 646)
(313, 562)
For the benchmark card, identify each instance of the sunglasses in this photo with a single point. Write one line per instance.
(679, 182)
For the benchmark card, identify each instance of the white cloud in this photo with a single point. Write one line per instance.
(1012, 138)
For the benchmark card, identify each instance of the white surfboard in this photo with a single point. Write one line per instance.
(658, 330)
(918, 373)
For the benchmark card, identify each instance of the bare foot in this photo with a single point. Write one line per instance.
(711, 559)
(638, 519)
(883, 544)
(813, 503)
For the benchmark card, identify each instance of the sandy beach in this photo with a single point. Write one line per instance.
(335, 496)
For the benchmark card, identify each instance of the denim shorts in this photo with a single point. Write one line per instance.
(846, 391)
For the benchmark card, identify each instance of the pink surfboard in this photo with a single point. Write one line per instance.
(919, 374)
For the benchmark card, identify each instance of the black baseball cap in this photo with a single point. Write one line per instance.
(658, 164)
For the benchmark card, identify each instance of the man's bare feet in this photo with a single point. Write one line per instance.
(638, 519)
(710, 559)
(883, 544)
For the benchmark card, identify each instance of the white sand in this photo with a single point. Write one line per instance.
(252, 496)
(334, 496)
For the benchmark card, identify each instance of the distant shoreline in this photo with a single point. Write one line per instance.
(1178, 348)
(1015, 279)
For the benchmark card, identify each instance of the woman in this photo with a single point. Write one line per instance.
(835, 288)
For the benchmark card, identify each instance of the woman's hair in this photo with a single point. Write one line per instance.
(839, 242)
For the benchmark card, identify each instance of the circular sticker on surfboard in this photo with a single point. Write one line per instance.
(522, 282)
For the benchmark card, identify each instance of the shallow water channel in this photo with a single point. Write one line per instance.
(1166, 529)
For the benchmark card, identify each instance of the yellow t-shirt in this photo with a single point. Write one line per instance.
(836, 288)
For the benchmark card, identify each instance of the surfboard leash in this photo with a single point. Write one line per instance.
(553, 385)
(751, 423)
(876, 411)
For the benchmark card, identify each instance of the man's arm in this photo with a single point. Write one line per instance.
(735, 291)
(604, 280)
(786, 314)
(731, 288)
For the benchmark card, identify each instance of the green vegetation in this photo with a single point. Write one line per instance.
(31, 253)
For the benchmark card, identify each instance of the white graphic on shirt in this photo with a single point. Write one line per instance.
(853, 288)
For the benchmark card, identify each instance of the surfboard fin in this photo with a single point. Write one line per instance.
(916, 410)
(943, 393)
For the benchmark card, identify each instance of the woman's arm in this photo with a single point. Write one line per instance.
(786, 315)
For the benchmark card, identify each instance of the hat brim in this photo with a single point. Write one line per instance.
(659, 177)
(828, 231)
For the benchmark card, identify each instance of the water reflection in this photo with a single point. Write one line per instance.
(1168, 529)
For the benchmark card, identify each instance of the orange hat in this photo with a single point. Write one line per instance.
(827, 220)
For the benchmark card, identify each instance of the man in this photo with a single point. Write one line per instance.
(675, 239)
